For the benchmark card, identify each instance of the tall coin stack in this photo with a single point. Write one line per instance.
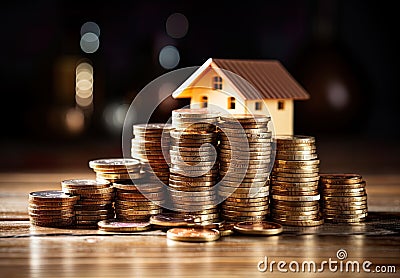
(245, 163)
(150, 145)
(194, 165)
(294, 182)
(344, 198)
(116, 169)
(52, 208)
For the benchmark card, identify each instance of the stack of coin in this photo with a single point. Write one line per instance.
(137, 201)
(194, 120)
(245, 163)
(344, 198)
(116, 169)
(294, 182)
(150, 145)
(194, 165)
(52, 208)
(95, 200)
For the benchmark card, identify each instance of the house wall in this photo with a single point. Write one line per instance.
(282, 119)
(203, 87)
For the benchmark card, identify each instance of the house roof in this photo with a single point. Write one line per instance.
(269, 77)
(266, 77)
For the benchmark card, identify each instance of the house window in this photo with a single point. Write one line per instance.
(204, 102)
(258, 106)
(281, 105)
(217, 83)
(231, 103)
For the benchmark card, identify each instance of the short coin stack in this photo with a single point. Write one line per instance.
(194, 165)
(344, 198)
(116, 169)
(52, 208)
(294, 182)
(150, 146)
(245, 164)
(95, 200)
(134, 205)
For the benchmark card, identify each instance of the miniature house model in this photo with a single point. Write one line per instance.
(245, 86)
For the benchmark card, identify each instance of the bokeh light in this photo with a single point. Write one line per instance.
(114, 116)
(169, 57)
(74, 120)
(337, 95)
(90, 27)
(90, 43)
(84, 101)
(84, 84)
(177, 25)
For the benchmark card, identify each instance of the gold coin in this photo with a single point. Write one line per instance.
(343, 186)
(244, 213)
(52, 196)
(198, 209)
(297, 157)
(289, 209)
(246, 200)
(244, 209)
(344, 204)
(193, 235)
(51, 205)
(294, 175)
(258, 228)
(296, 180)
(296, 198)
(243, 195)
(114, 163)
(94, 202)
(76, 184)
(297, 147)
(345, 199)
(294, 193)
(341, 178)
(243, 218)
(298, 139)
(113, 225)
(294, 217)
(263, 203)
(243, 190)
(302, 170)
(293, 184)
(93, 217)
(344, 212)
(302, 223)
(296, 163)
(294, 188)
(344, 194)
(284, 213)
(348, 221)
(294, 203)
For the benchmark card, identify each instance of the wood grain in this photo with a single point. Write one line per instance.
(30, 251)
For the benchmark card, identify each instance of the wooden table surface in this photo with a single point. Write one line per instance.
(29, 251)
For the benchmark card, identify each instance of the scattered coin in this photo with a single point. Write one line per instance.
(193, 234)
(113, 225)
(258, 228)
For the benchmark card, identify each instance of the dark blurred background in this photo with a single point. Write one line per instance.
(344, 53)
